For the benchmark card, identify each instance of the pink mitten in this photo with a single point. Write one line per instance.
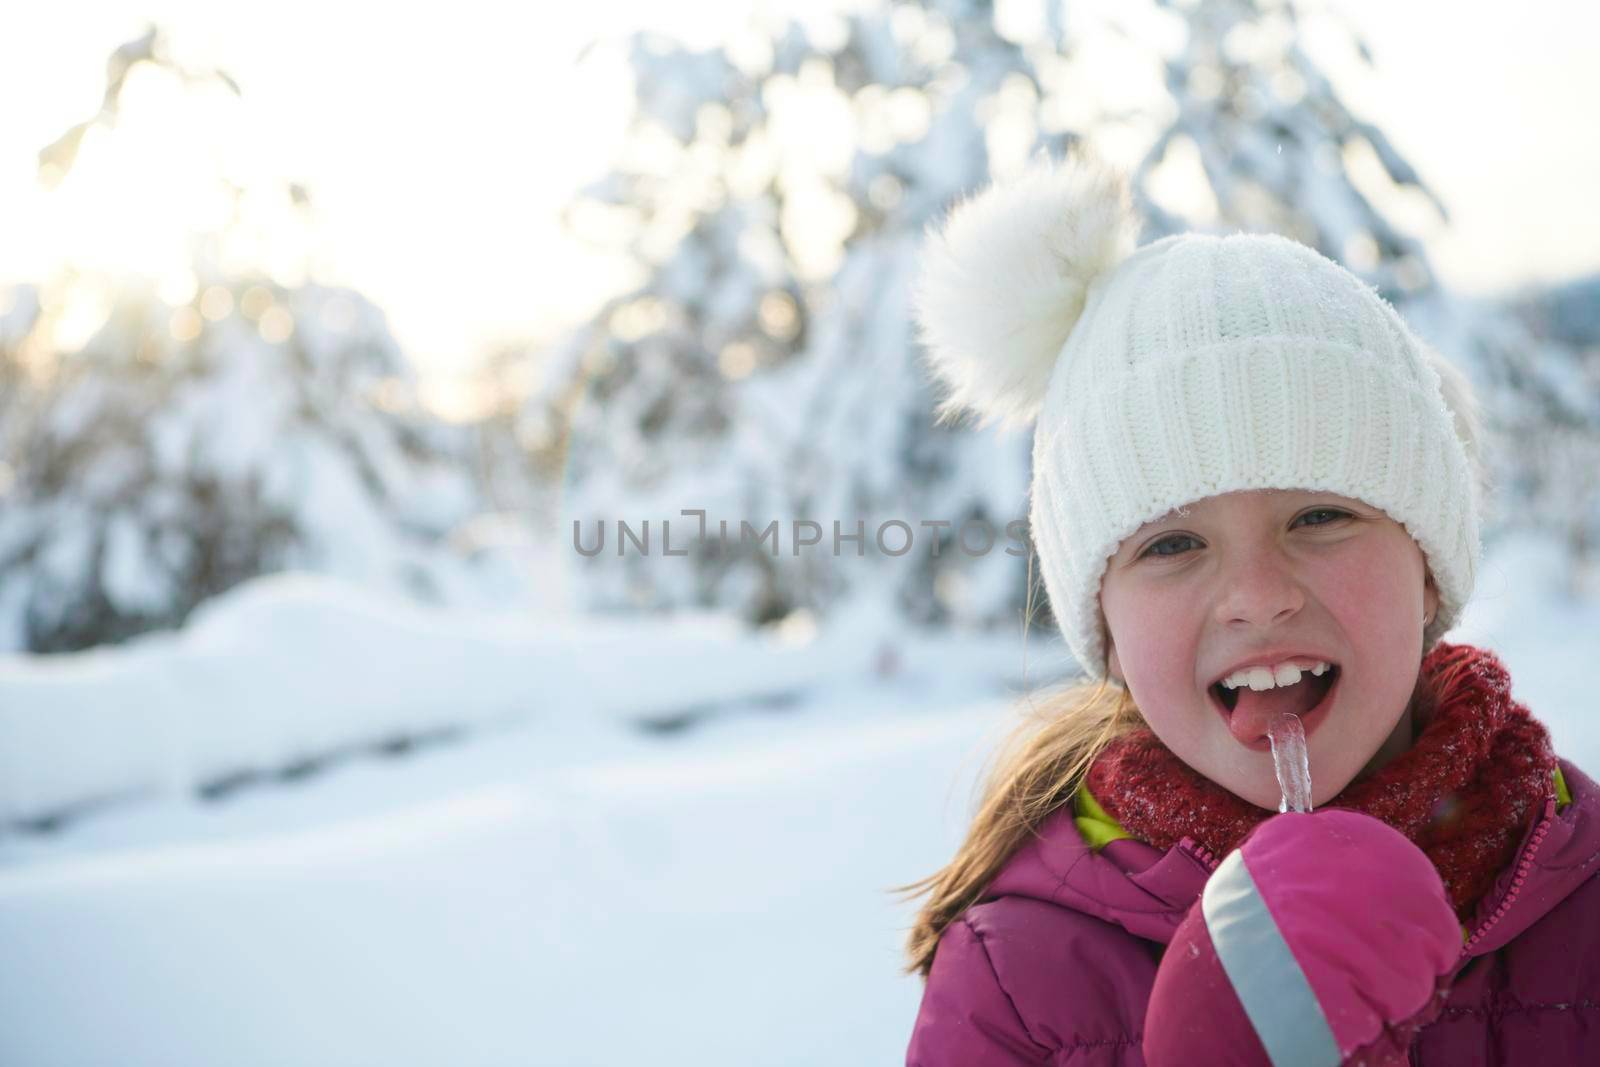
(1323, 938)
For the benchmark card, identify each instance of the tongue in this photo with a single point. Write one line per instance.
(1253, 714)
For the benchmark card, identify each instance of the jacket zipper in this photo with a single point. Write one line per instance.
(1521, 876)
(1204, 855)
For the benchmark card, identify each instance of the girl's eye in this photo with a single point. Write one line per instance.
(1155, 548)
(1173, 545)
(1334, 512)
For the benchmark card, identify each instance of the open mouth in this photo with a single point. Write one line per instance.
(1303, 697)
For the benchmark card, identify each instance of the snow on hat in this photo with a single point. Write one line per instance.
(1193, 366)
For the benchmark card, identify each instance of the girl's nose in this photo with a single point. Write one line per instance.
(1259, 589)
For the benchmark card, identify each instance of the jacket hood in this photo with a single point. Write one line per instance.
(1082, 860)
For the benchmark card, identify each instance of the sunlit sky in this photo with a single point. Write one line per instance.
(439, 144)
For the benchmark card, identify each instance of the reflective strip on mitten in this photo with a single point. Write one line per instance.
(1272, 989)
(1323, 937)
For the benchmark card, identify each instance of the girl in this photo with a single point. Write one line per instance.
(1254, 492)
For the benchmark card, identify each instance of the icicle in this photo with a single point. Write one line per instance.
(1291, 762)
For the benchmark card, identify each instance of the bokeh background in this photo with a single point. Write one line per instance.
(330, 336)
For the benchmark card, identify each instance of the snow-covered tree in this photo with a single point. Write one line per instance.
(1540, 352)
(175, 456)
(195, 442)
(1266, 137)
(775, 191)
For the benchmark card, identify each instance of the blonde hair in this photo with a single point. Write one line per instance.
(1034, 772)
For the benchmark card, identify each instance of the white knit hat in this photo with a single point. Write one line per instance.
(1194, 366)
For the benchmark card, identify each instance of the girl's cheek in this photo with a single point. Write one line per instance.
(1160, 634)
(1146, 612)
(1378, 590)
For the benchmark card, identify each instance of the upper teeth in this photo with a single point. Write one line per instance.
(1259, 678)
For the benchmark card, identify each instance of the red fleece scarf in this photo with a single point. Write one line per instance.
(1464, 793)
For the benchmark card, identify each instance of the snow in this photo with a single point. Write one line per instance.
(728, 909)
(296, 667)
(554, 885)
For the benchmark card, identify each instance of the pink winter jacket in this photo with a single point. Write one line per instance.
(1058, 962)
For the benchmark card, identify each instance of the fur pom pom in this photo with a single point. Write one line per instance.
(1004, 282)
